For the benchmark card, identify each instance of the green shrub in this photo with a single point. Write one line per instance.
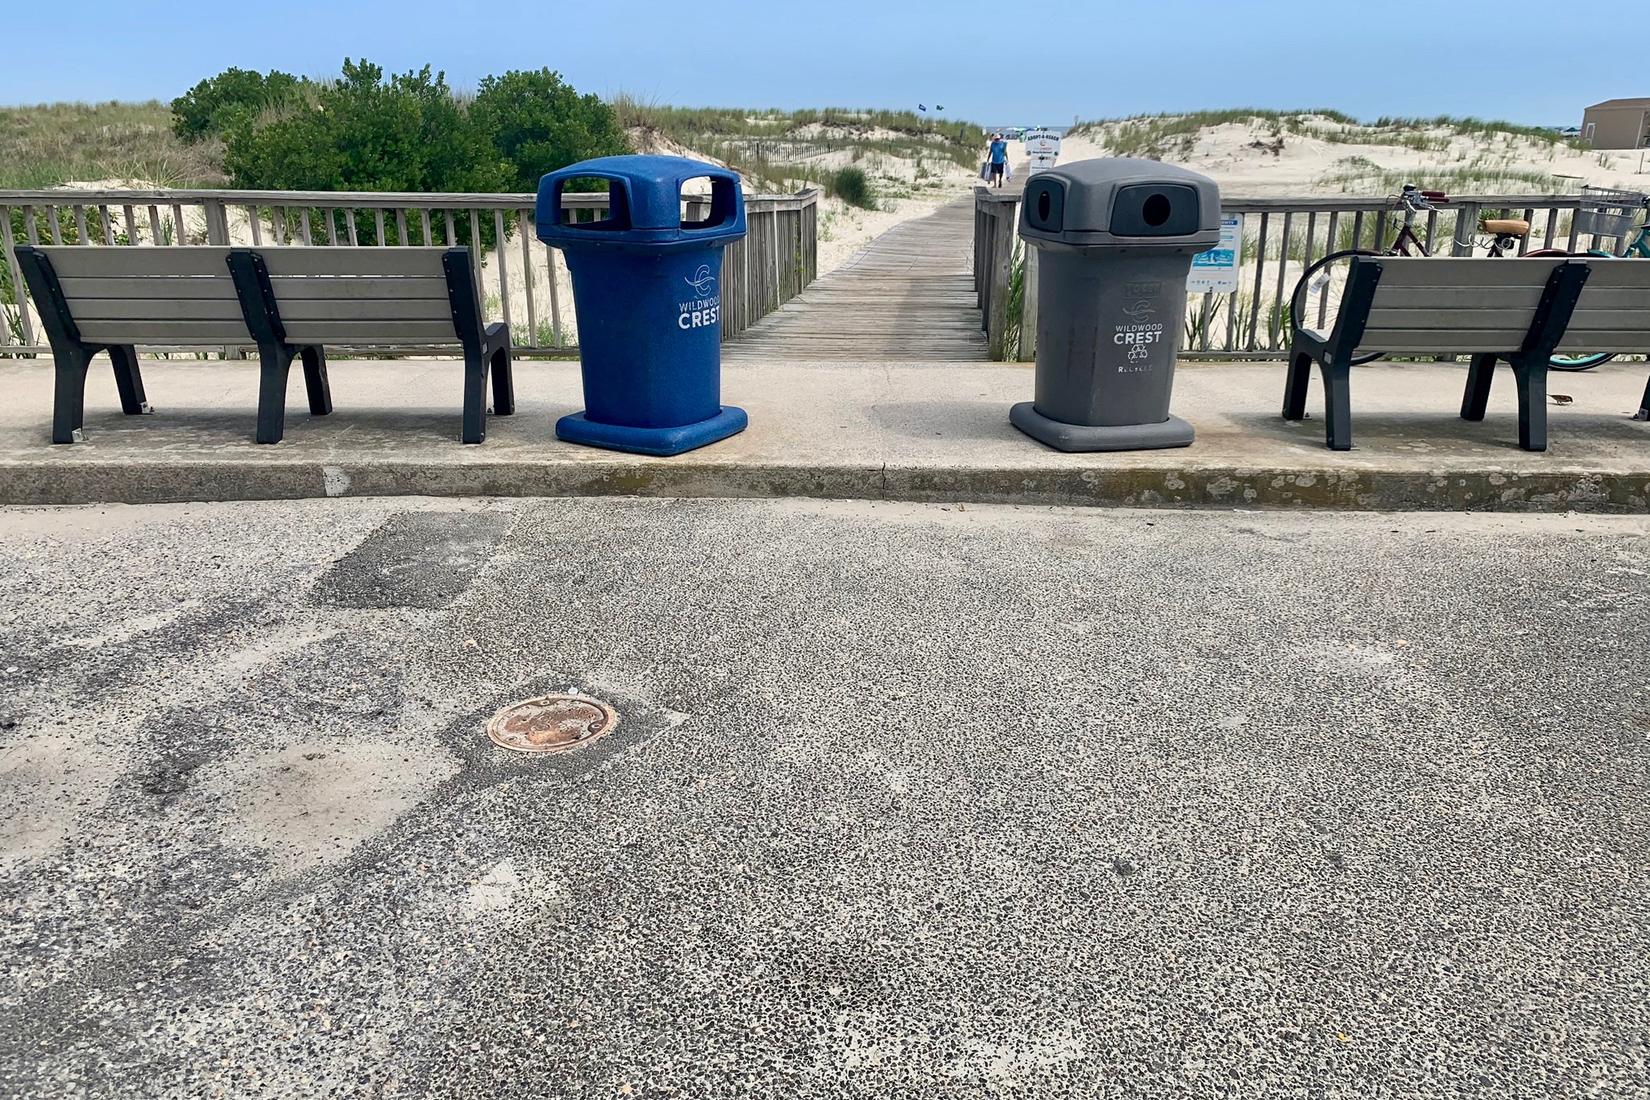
(538, 124)
(231, 101)
(365, 133)
(852, 187)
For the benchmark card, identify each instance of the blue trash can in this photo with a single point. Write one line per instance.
(647, 293)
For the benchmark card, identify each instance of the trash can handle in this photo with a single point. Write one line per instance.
(618, 205)
(724, 205)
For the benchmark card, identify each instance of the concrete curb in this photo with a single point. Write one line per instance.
(1365, 489)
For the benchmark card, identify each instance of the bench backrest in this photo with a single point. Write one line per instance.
(144, 295)
(186, 295)
(1454, 304)
(348, 295)
(1486, 304)
(1613, 313)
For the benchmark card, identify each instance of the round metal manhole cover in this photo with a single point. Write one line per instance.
(551, 723)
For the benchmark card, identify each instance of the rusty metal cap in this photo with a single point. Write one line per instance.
(551, 723)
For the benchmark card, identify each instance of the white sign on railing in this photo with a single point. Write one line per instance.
(1217, 269)
(1042, 149)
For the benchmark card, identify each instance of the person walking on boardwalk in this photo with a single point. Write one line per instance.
(998, 158)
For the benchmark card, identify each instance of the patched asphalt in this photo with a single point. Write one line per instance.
(905, 800)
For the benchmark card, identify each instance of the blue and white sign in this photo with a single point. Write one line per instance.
(1217, 269)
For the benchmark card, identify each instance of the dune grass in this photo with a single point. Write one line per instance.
(1157, 136)
(54, 143)
(852, 187)
(1481, 175)
(1477, 127)
(773, 146)
(1161, 136)
(742, 122)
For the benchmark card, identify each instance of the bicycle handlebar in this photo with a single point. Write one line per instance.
(1416, 199)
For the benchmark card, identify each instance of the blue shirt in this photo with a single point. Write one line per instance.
(999, 152)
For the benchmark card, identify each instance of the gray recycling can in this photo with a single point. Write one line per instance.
(1115, 239)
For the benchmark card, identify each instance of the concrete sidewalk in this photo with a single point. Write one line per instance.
(901, 431)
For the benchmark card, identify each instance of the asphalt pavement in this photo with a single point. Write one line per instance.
(904, 800)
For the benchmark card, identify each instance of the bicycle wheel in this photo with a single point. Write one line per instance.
(1579, 362)
(1316, 301)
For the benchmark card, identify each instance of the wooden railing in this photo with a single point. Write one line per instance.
(1281, 237)
(524, 284)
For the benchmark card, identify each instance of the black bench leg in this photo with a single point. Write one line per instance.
(475, 397)
(504, 383)
(129, 380)
(1295, 385)
(315, 380)
(1532, 404)
(1644, 404)
(1480, 373)
(1337, 405)
(69, 400)
(272, 375)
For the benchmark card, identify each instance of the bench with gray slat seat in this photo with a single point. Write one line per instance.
(300, 298)
(291, 302)
(111, 299)
(1517, 310)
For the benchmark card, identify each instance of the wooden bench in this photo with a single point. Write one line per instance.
(292, 302)
(1520, 311)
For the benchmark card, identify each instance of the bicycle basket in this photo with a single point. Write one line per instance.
(1608, 212)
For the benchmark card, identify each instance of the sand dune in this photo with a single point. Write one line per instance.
(1265, 157)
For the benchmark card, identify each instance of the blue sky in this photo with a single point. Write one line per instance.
(997, 63)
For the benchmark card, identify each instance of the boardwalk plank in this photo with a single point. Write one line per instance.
(909, 295)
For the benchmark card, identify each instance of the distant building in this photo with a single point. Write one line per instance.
(1617, 124)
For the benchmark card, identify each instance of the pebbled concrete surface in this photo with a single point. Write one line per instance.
(906, 800)
(883, 431)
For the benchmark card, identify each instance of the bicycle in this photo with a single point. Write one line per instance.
(1612, 214)
(1327, 282)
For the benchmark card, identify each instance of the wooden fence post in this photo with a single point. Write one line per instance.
(15, 275)
(217, 233)
(1000, 275)
(1028, 308)
(1466, 218)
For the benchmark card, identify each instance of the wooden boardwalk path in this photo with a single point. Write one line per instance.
(908, 295)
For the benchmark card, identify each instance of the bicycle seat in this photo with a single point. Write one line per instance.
(1507, 227)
